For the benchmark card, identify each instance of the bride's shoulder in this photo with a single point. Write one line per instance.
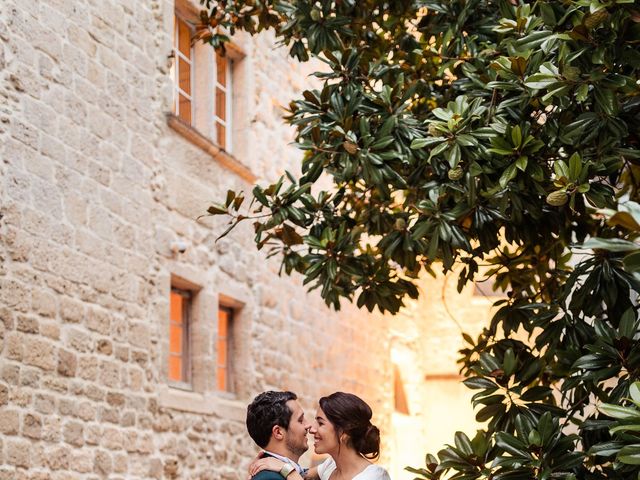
(376, 472)
(326, 468)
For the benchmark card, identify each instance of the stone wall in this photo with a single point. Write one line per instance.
(95, 187)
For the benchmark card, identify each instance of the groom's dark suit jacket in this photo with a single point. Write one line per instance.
(267, 474)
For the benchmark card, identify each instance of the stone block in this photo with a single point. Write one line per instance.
(115, 399)
(52, 429)
(44, 403)
(128, 419)
(14, 346)
(79, 340)
(4, 394)
(93, 434)
(104, 347)
(73, 433)
(44, 303)
(18, 453)
(120, 463)
(95, 393)
(50, 329)
(32, 426)
(110, 415)
(110, 374)
(86, 411)
(102, 463)
(67, 407)
(11, 374)
(71, 310)
(39, 353)
(111, 439)
(139, 335)
(98, 320)
(58, 457)
(27, 324)
(81, 461)
(67, 363)
(15, 295)
(9, 421)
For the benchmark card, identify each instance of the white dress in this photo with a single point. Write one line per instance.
(372, 472)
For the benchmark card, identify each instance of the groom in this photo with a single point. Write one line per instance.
(276, 422)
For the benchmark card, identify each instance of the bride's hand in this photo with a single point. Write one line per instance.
(266, 463)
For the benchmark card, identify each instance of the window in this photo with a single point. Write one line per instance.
(179, 337)
(182, 70)
(224, 349)
(399, 395)
(222, 101)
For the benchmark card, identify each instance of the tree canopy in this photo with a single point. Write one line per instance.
(497, 138)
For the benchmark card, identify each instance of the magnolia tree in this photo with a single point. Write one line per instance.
(491, 136)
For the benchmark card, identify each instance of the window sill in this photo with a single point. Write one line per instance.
(223, 405)
(222, 157)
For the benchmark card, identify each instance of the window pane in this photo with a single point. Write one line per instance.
(175, 368)
(221, 104)
(175, 339)
(184, 108)
(222, 379)
(184, 38)
(184, 74)
(221, 70)
(222, 353)
(223, 322)
(221, 135)
(176, 307)
(400, 396)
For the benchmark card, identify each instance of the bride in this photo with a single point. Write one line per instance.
(342, 429)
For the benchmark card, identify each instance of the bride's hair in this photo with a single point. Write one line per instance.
(351, 415)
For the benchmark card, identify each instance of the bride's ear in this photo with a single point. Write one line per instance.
(344, 438)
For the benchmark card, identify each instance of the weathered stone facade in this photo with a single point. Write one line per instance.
(95, 186)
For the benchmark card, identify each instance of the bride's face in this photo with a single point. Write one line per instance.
(325, 438)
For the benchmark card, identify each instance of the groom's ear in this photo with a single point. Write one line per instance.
(277, 432)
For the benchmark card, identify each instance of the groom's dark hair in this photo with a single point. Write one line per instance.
(267, 410)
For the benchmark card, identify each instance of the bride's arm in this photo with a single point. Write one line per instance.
(312, 474)
(274, 465)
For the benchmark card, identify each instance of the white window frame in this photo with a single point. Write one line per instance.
(228, 91)
(177, 55)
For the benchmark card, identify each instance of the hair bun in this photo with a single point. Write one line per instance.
(369, 444)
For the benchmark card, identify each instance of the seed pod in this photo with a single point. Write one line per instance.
(595, 19)
(455, 173)
(315, 14)
(399, 224)
(350, 147)
(558, 198)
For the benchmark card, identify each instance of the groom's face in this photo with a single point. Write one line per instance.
(296, 436)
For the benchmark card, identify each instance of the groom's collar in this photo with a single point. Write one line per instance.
(285, 460)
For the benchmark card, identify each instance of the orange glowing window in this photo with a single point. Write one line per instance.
(180, 303)
(400, 396)
(222, 102)
(182, 70)
(223, 349)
